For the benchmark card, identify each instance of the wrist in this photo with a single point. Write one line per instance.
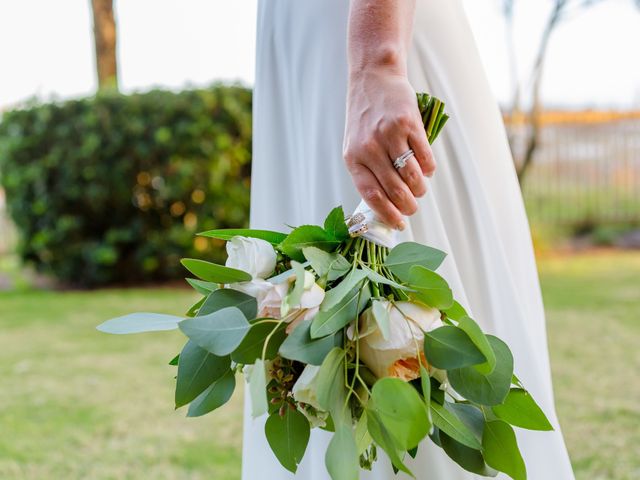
(383, 59)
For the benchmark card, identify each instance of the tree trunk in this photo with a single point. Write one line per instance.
(104, 32)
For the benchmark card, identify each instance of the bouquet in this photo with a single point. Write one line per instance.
(337, 327)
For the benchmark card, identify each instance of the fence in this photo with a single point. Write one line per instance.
(586, 169)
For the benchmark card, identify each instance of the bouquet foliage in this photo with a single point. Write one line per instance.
(338, 332)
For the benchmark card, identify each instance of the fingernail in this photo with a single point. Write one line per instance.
(402, 225)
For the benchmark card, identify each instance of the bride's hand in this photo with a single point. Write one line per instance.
(383, 121)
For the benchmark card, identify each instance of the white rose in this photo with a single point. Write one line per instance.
(396, 356)
(252, 255)
(304, 391)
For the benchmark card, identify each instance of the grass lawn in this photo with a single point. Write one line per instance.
(77, 404)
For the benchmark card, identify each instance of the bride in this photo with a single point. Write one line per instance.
(334, 105)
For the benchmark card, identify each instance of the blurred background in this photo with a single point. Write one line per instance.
(126, 128)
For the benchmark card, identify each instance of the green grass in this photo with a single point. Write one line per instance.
(78, 404)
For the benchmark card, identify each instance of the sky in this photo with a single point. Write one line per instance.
(46, 48)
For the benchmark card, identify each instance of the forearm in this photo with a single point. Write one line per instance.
(379, 35)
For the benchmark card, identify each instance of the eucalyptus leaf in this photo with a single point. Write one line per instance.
(455, 311)
(330, 387)
(252, 345)
(521, 410)
(227, 297)
(216, 395)
(212, 272)
(332, 265)
(219, 332)
(401, 410)
(453, 426)
(288, 437)
(425, 384)
(490, 389)
(140, 323)
(430, 288)
(335, 225)
(197, 369)
(341, 458)
(307, 236)
(468, 458)
(299, 345)
(501, 450)
(477, 336)
(294, 296)
(386, 441)
(273, 238)
(405, 255)
(202, 287)
(258, 389)
(334, 296)
(362, 436)
(375, 277)
(470, 415)
(329, 322)
(195, 308)
(449, 347)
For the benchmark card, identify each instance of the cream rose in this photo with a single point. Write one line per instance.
(252, 255)
(398, 356)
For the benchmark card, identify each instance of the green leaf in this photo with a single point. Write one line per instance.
(335, 225)
(334, 296)
(197, 369)
(342, 455)
(307, 236)
(327, 323)
(299, 345)
(281, 277)
(380, 313)
(174, 361)
(468, 458)
(362, 436)
(479, 339)
(375, 277)
(401, 410)
(332, 265)
(455, 311)
(288, 437)
(453, 426)
(258, 389)
(405, 255)
(219, 332)
(227, 297)
(450, 347)
(218, 393)
(195, 308)
(330, 387)
(521, 410)
(212, 272)
(139, 323)
(470, 415)
(293, 297)
(252, 344)
(382, 437)
(273, 238)
(501, 449)
(430, 288)
(490, 389)
(425, 384)
(202, 287)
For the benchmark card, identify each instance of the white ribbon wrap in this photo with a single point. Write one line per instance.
(364, 223)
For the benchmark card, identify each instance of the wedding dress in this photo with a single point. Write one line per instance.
(473, 209)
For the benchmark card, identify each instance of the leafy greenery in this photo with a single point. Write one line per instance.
(120, 431)
(112, 188)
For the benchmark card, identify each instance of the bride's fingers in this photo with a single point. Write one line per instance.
(422, 150)
(374, 195)
(411, 172)
(393, 185)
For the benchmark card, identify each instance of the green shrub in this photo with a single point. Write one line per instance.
(101, 189)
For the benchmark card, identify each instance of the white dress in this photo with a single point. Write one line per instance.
(473, 209)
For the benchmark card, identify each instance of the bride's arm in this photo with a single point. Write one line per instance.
(383, 120)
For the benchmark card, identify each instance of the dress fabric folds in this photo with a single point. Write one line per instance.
(473, 209)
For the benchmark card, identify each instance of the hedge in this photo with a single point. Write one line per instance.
(112, 188)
